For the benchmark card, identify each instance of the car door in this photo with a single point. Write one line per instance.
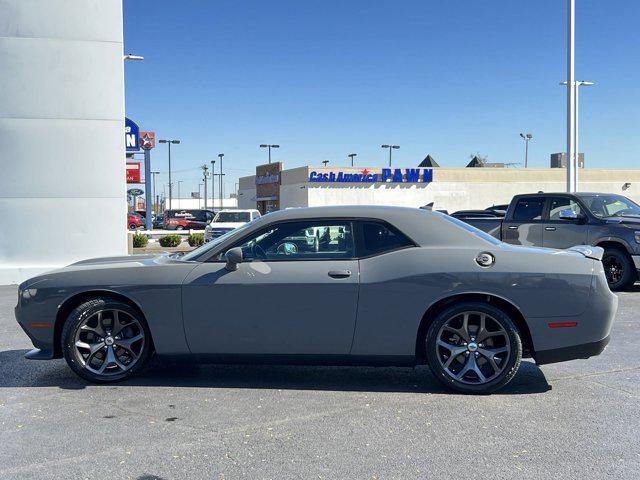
(282, 299)
(524, 225)
(564, 233)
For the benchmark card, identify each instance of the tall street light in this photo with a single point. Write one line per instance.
(169, 142)
(153, 178)
(576, 114)
(526, 137)
(213, 184)
(179, 182)
(572, 174)
(130, 57)
(391, 148)
(221, 156)
(352, 156)
(264, 145)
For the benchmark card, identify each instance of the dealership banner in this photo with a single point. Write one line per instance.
(387, 175)
(133, 172)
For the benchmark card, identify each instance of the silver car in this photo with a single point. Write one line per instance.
(385, 286)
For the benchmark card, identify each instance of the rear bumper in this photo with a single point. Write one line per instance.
(574, 352)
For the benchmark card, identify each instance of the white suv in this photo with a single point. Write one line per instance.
(227, 220)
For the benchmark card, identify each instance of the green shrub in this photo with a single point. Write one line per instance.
(139, 240)
(170, 240)
(196, 239)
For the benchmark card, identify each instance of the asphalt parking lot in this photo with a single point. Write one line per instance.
(571, 420)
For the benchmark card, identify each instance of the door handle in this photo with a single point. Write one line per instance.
(340, 273)
(513, 227)
(550, 229)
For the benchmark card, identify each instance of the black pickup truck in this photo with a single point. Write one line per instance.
(563, 220)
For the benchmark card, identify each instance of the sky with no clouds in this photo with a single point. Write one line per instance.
(327, 78)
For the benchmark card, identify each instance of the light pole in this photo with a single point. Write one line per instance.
(391, 148)
(131, 57)
(576, 113)
(153, 177)
(221, 156)
(169, 142)
(572, 177)
(526, 137)
(325, 162)
(352, 156)
(213, 185)
(205, 174)
(264, 145)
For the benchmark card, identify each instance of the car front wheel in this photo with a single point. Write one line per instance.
(618, 268)
(473, 348)
(105, 340)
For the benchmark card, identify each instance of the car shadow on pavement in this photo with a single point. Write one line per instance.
(18, 372)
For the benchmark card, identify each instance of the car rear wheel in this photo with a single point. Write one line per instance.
(179, 227)
(105, 340)
(132, 226)
(473, 348)
(619, 269)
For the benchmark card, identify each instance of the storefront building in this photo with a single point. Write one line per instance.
(448, 189)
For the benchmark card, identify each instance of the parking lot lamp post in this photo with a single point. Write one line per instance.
(213, 184)
(169, 142)
(578, 84)
(221, 156)
(352, 156)
(391, 148)
(153, 177)
(264, 145)
(526, 137)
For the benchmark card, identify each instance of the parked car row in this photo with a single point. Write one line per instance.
(563, 220)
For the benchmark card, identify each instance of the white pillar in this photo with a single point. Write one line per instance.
(62, 177)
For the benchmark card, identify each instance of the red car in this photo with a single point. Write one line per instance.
(186, 219)
(134, 220)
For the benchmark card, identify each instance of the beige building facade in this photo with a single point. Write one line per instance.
(449, 189)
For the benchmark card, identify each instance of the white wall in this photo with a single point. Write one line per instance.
(62, 166)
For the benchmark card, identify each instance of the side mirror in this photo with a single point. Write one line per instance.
(570, 215)
(233, 258)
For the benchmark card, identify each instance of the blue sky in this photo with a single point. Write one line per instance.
(328, 78)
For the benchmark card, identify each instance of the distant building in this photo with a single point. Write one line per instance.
(559, 160)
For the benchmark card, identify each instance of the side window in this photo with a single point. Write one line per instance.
(313, 240)
(378, 237)
(558, 204)
(528, 209)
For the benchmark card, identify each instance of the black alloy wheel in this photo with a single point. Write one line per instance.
(619, 269)
(105, 340)
(473, 347)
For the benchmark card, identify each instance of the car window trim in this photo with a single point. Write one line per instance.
(212, 258)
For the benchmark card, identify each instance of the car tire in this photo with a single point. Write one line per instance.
(619, 269)
(132, 226)
(93, 335)
(483, 360)
(179, 227)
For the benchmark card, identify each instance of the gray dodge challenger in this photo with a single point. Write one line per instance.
(347, 285)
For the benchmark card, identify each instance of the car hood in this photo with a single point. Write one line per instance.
(230, 225)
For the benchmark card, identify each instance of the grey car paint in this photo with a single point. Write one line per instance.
(195, 305)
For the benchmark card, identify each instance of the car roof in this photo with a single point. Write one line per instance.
(346, 211)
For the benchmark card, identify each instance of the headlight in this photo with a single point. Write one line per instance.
(637, 235)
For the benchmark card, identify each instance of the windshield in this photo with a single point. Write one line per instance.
(232, 217)
(476, 231)
(217, 241)
(604, 206)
